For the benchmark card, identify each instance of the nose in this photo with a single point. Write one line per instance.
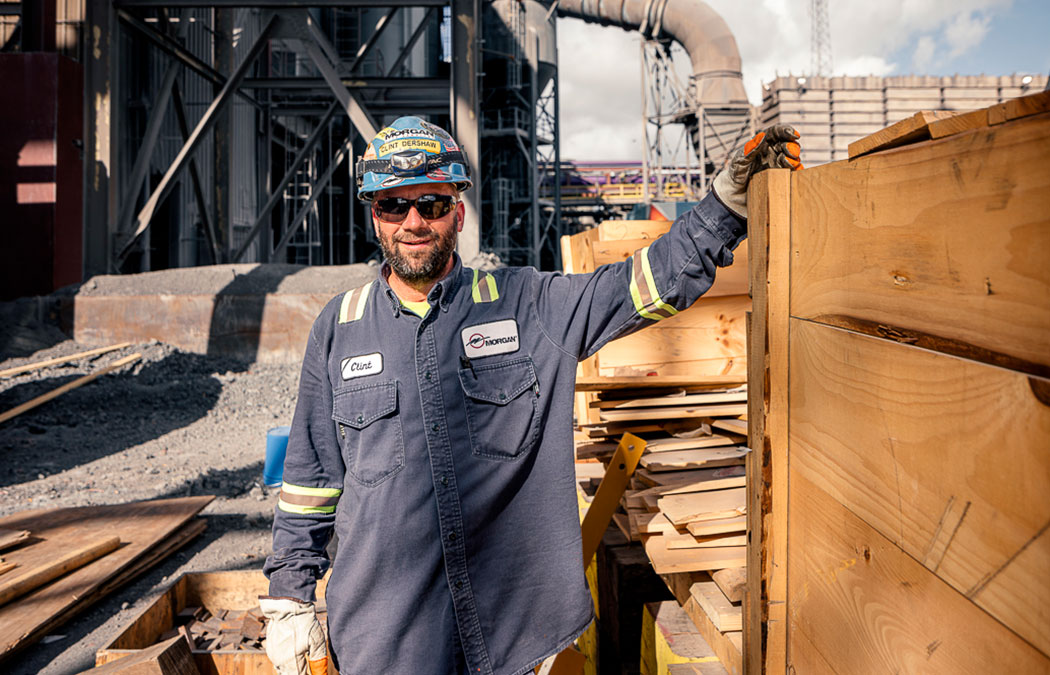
(413, 220)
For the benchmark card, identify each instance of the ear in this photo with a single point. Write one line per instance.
(461, 214)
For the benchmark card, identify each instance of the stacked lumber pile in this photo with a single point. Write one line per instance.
(57, 562)
(680, 385)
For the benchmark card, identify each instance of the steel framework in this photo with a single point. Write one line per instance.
(256, 164)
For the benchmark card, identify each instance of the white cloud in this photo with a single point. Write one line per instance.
(965, 32)
(922, 58)
(600, 66)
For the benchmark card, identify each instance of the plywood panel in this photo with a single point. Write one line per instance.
(867, 607)
(712, 329)
(945, 457)
(949, 254)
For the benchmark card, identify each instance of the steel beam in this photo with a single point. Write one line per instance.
(465, 106)
(101, 73)
(173, 49)
(315, 192)
(351, 83)
(276, 4)
(278, 191)
(149, 143)
(363, 122)
(416, 34)
(377, 32)
(206, 122)
(198, 188)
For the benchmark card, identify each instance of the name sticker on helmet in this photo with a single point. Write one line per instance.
(486, 339)
(433, 147)
(359, 366)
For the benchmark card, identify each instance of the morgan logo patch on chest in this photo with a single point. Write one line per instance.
(359, 366)
(497, 337)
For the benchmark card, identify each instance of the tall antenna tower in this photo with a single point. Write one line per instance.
(820, 38)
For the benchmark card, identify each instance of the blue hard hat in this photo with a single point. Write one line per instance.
(411, 151)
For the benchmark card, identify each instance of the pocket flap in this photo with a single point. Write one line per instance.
(360, 406)
(498, 383)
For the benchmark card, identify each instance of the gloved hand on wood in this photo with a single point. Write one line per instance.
(773, 148)
(295, 641)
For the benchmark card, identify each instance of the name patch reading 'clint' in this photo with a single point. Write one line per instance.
(359, 366)
(498, 337)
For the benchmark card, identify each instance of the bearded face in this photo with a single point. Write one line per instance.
(416, 256)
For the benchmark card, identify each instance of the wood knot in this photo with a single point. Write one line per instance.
(896, 334)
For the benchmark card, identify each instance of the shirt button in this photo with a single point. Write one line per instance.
(459, 585)
(427, 375)
(502, 396)
(360, 419)
(435, 426)
(452, 536)
(444, 480)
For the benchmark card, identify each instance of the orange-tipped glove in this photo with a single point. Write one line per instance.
(773, 148)
(295, 641)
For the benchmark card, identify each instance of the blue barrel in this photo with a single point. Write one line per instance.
(276, 445)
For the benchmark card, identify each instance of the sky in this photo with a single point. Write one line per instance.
(600, 67)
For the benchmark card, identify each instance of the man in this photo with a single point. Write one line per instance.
(433, 427)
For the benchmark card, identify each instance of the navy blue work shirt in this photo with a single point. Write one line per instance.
(440, 449)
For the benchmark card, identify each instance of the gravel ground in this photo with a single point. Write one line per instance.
(172, 424)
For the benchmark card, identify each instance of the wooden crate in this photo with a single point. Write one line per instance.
(214, 590)
(899, 353)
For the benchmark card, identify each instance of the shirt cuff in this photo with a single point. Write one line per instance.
(293, 585)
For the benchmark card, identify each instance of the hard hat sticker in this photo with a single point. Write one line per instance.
(433, 147)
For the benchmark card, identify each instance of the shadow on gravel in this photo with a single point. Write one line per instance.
(221, 483)
(108, 415)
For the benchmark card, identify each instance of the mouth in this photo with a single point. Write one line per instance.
(415, 244)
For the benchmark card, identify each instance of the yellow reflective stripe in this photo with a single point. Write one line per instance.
(352, 307)
(655, 302)
(303, 510)
(344, 306)
(639, 306)
(311, 491)
(493, 291)
(486, 290)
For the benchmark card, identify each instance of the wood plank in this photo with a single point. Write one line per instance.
(678, 539)
(731, 582)
(770, 197)
(684, 399)
(710, 332)
(12, 538)
(711, 441)
(698, 481)
(596, 383)
(142, 525)
(726, 645)
(688, 508)
(677, 460)
(948, 255)
(738, 426)
(866, 606)
(947, 458)
(908, 130)
(674, 412)
(17, 370)
(651, 523)
(723, 614)
(171, 657)
(1016, 108)
(616, 230)
(731, 280)
(692, 560)
(69, 386)
(31, 578)
(674, 478)
(706, 528)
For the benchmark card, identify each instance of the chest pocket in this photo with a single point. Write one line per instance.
(370, 431)
(501, 405)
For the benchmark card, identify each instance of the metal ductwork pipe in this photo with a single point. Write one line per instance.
(693, 24)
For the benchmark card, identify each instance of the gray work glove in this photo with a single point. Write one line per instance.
(295, 641)
(773, 148)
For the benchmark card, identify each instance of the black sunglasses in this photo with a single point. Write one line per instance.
(430, 207)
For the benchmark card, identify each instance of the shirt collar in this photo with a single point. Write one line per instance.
(442, 293)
